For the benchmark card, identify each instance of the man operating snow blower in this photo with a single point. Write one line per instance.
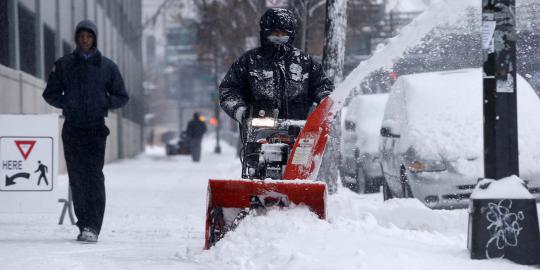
(269, 91)
(274, 76)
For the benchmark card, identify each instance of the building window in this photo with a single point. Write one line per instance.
(27, 44)
(49, 49)
(4, 34)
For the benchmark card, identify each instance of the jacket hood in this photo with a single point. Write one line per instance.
(277, 18)
(87, 25)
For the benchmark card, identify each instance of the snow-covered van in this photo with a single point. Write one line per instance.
(361, 167)
(432, 137)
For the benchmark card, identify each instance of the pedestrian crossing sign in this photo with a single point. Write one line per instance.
(26, 163)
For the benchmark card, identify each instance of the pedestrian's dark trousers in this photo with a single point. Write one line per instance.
(84, 150)
(195, 145)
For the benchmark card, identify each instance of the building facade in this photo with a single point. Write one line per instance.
(34, 33)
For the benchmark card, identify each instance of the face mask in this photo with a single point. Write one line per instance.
(280, 40)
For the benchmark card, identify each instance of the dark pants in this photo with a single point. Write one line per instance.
(84, 149)
(195, 145)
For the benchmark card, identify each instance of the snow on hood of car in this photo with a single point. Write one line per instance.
(511, 187)
(367, 111)
(444, 118)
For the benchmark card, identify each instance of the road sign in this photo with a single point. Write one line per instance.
(29, 162)
(277, 3)
(26, 163)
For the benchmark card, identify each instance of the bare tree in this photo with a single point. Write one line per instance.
(333, 59)
(334, 42)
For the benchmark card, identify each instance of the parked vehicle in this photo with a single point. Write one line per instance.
(178, 146)
(432, 137)
(361, 167)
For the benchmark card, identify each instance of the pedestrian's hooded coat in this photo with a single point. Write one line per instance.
(196, 128)
(275, 76)
(85, 87)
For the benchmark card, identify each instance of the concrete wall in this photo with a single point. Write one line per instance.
(20, 93)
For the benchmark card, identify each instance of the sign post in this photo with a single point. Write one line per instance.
(501, 225)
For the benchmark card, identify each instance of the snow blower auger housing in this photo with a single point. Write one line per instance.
(280, 158)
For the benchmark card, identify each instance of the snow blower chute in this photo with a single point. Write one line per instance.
(286, 155)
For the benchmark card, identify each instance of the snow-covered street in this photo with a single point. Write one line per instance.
(155, 220)
(434, 102)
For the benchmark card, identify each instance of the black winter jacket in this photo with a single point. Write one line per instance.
(270, 76)
(196, 129)
(85, 89)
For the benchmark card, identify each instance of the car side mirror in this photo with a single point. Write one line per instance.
(387, 132)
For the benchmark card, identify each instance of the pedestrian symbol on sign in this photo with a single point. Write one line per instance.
(42, 169)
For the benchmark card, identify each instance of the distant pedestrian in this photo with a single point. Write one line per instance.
(42, 169)
(195, 131)
(86, 85)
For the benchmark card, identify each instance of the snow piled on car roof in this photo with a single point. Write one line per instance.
(367, 111)
(444, 117)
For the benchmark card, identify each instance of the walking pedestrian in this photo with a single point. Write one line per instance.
(195, 131)
(86, 85)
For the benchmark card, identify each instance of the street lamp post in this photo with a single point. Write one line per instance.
(217, 149)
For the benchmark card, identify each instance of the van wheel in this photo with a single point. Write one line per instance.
(406, 190)
(387, 192)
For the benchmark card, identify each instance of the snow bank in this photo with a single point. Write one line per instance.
(507, 188)
(362, 232)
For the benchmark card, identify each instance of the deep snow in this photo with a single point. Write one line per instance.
(155, 220)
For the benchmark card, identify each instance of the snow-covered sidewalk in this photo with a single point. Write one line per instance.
(155, 220)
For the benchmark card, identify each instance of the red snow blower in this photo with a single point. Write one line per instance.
(280, 160)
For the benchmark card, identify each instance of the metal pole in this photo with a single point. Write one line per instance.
(488, 215)
(501, 158)
(217, 149)
(218, 127)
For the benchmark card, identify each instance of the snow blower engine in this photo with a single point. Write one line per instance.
(267, 143)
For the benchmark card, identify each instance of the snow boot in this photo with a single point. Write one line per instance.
(88, 235)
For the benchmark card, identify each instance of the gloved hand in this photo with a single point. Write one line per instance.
(239, 114)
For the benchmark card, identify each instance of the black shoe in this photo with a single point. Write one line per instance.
(88, 235)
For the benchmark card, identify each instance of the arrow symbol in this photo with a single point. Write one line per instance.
(11, 180)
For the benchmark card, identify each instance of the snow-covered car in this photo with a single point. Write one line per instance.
(361, 167)
(432, 137)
